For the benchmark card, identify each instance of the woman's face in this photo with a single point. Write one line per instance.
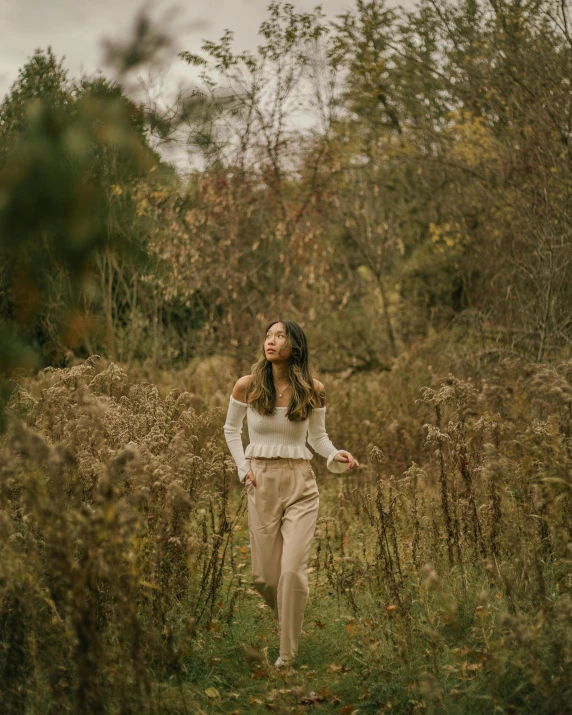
(275, 343)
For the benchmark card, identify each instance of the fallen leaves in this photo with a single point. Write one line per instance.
(312, 699)
(334, 668)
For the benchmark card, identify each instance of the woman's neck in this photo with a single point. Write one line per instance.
(280, 374)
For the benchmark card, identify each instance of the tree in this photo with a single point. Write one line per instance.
(67, 148)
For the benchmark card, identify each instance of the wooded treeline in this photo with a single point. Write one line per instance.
(425, 185)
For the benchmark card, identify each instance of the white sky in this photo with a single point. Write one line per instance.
(75, 29)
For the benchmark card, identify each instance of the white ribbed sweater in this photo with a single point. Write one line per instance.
(276, 436)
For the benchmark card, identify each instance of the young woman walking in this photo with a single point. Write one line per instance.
(285, 406)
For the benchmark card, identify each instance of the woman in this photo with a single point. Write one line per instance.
(285, 406)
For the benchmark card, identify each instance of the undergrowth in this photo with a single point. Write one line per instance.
(440, 576)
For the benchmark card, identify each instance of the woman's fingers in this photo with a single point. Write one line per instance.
(347, 458)
(353, 462)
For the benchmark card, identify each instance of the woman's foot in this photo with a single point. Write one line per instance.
(281, 663)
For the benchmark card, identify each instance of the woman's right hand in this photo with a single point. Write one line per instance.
(249, 477)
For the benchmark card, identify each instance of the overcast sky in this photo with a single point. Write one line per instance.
(75, 30)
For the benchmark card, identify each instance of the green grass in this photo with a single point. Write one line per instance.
(344, 663)
(449, 653)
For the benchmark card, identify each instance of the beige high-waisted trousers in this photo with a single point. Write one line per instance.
(282, 515)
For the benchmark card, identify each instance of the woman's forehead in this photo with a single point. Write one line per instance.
(276, 328)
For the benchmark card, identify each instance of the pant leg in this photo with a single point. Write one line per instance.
(282, 515)
(264, 522)
(298, 528)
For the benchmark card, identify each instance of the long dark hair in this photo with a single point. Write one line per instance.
(304, 397)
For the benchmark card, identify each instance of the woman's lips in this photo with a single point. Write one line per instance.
(270, 351)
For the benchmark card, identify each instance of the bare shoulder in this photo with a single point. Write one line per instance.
(239, 390)
(320, 391)
(319, 387)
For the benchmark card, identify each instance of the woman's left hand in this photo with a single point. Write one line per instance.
(345, 457)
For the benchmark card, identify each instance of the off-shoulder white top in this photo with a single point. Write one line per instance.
(277, 436)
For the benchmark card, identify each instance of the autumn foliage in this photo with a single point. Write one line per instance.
(396, 181)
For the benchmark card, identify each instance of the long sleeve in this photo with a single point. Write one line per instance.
(320, 442)
(232, 432)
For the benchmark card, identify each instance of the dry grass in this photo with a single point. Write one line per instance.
(440, 575)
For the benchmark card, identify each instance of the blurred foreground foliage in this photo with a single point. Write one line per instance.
(71, 155)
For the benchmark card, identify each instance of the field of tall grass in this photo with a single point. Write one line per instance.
(440, 576)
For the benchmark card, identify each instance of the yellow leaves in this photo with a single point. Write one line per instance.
(192, 218)
(116, 190)
(474, 143)
(448, 236)
(159, 195)
(365, 274)
(212, 693)
(142, 207)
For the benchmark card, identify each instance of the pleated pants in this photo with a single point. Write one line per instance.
(282, 515)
